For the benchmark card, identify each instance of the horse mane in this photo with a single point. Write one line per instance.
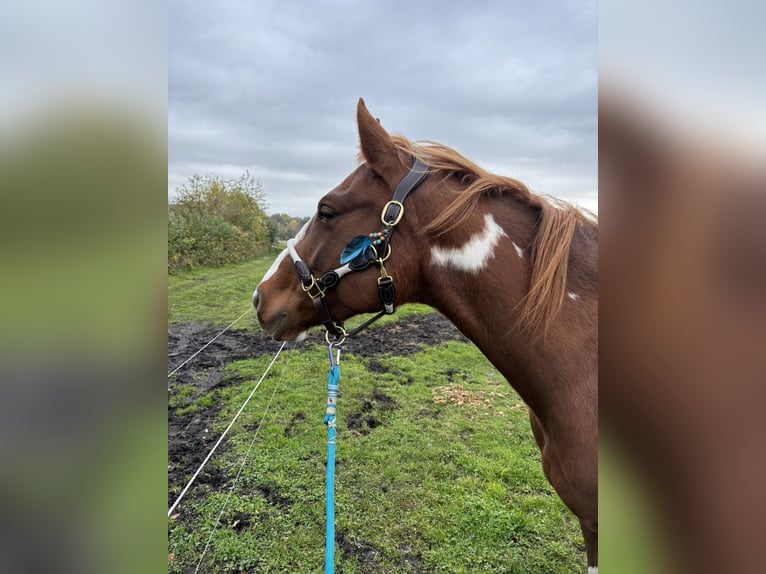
(556, 225)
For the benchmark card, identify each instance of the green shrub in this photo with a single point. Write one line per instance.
(216, 221)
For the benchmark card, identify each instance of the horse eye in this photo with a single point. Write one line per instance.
(326, 214)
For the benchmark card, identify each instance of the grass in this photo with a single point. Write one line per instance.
(437, 470)
(216, 295)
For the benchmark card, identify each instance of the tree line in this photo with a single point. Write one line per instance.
(286, 226)
(214, 221)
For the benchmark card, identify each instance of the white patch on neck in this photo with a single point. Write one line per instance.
(573, 296)
(281, 256)
(474, 255)
(592, 569)
(519, 250)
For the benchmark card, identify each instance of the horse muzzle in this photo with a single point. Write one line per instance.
(278, 324)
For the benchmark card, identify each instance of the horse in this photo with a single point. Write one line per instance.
(515, 272)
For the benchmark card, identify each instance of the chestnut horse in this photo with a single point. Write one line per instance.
(516, 273)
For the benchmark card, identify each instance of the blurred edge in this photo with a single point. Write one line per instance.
(682, 199)
(83, 183)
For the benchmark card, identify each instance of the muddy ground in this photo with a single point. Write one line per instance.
(188, 438)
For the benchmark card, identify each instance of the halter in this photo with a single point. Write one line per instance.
(358, 255)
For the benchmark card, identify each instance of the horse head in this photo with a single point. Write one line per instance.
(345, 230)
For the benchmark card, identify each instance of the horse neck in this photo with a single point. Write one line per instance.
(483, 301)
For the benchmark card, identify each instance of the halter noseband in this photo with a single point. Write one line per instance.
(359, 254)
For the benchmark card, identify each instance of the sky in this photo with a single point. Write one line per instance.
(271, 87)
(703, 70)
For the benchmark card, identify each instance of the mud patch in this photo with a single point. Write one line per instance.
(361, 424)
(383, 401)
(297, 419)
(405, 337)
(272, 495)
(371, 413)
(413, 560)
(453, 374)
(186, 339)
(191, 435)
(363, 553)
(375, 366)
(189, 440)
(240, 521)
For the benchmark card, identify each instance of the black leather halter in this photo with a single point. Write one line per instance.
(376, 252)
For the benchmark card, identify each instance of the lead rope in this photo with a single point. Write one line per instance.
(329, 419)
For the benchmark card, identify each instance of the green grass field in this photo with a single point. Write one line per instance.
(437, 470)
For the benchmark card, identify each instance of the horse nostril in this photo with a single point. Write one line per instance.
(256, 298)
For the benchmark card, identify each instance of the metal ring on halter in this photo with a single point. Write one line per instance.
(377, 256)
(339, 340)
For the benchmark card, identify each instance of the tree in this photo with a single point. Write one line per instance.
(215, 221)
(286, 226)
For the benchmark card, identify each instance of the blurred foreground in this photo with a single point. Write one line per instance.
(82, 219)
(682, 202)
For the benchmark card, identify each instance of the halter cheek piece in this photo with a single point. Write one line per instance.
(359, 254)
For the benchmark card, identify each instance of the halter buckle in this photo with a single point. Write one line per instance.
(319, 291)
(397, 215)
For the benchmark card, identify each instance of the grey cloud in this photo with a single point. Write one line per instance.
(272, 87)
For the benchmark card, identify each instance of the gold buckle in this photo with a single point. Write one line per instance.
(398, 217)
(308, 289)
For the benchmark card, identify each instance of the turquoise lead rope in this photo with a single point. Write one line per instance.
(329, 419)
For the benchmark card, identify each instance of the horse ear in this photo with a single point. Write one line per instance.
(377, 147)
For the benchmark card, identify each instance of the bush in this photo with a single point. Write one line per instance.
(216, 221)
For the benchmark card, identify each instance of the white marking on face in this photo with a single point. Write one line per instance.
(274, 266)
(474, 255)
(519, 250)
(592, 569)
(573, 296)
(281, 256)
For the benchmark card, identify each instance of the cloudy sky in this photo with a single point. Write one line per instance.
(271, 87)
